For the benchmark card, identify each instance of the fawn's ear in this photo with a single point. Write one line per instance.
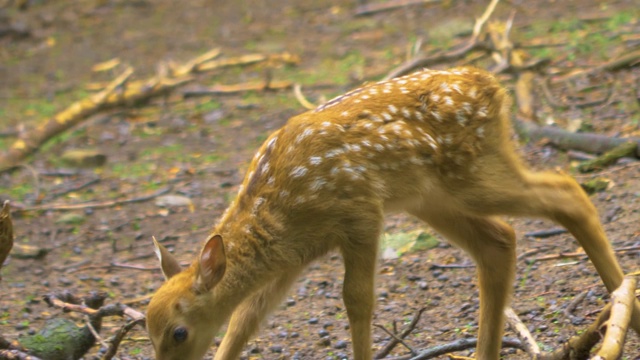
(168, 263)
(212, 263)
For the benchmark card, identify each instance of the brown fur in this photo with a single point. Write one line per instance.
(435, 144)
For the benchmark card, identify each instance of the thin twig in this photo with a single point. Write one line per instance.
(396, 339)
(458, 345)
(572, 305)
(96, 204)
(94, 332)
(117, 338)
(387, 348)
(373, 8)
(297, 91)
(528, 342)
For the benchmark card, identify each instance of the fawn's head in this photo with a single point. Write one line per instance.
(182, 318)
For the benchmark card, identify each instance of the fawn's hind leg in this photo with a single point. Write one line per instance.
(250, 313)
(491, 243)
(559, 198)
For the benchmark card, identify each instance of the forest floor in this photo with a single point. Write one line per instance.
(199, 148)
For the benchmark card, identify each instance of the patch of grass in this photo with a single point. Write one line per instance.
(44, 109)
(621, 19)
(20, 191)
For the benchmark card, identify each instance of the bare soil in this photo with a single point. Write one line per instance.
(201, 147)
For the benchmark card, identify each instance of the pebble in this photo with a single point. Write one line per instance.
(340, 344)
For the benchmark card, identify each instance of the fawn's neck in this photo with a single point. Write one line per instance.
(248, 262)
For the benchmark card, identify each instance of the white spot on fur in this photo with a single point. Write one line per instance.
(467, 108)
(259, 201)
(393, 109)
(387, 116)
(448, 100)
(298, 171)
(333, 153)
(406, 113)
(461, 118)
(472, 92)
(317, 184)
(315, 160)
(482, 112)
(436, 115)
(272, 142)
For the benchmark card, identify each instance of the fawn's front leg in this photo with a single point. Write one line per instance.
(491, 243)
(247, 317)
(358, 292)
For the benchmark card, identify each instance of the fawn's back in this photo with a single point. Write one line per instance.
(383, 147)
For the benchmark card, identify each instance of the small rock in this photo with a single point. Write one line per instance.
(71, 219)
(313, 321)
(174, 200)
(323, 333)
(340, 344)
(83, 158)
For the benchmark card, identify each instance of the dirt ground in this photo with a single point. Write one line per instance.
(199, 148)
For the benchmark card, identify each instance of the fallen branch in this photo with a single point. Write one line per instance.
(374, 8)
(237, 89)
(582, 254)
(579, 105)
(622, 300)
(609, 157)
(95, 204)
(458, 345)
(546, 233)
(629, 59)
(563, 139)
(68, 302)
(473, 44)
(579, 347)
(124, 93)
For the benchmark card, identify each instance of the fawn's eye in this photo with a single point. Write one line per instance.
(180, 334)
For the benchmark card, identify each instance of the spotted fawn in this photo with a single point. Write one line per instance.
(436, 144)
